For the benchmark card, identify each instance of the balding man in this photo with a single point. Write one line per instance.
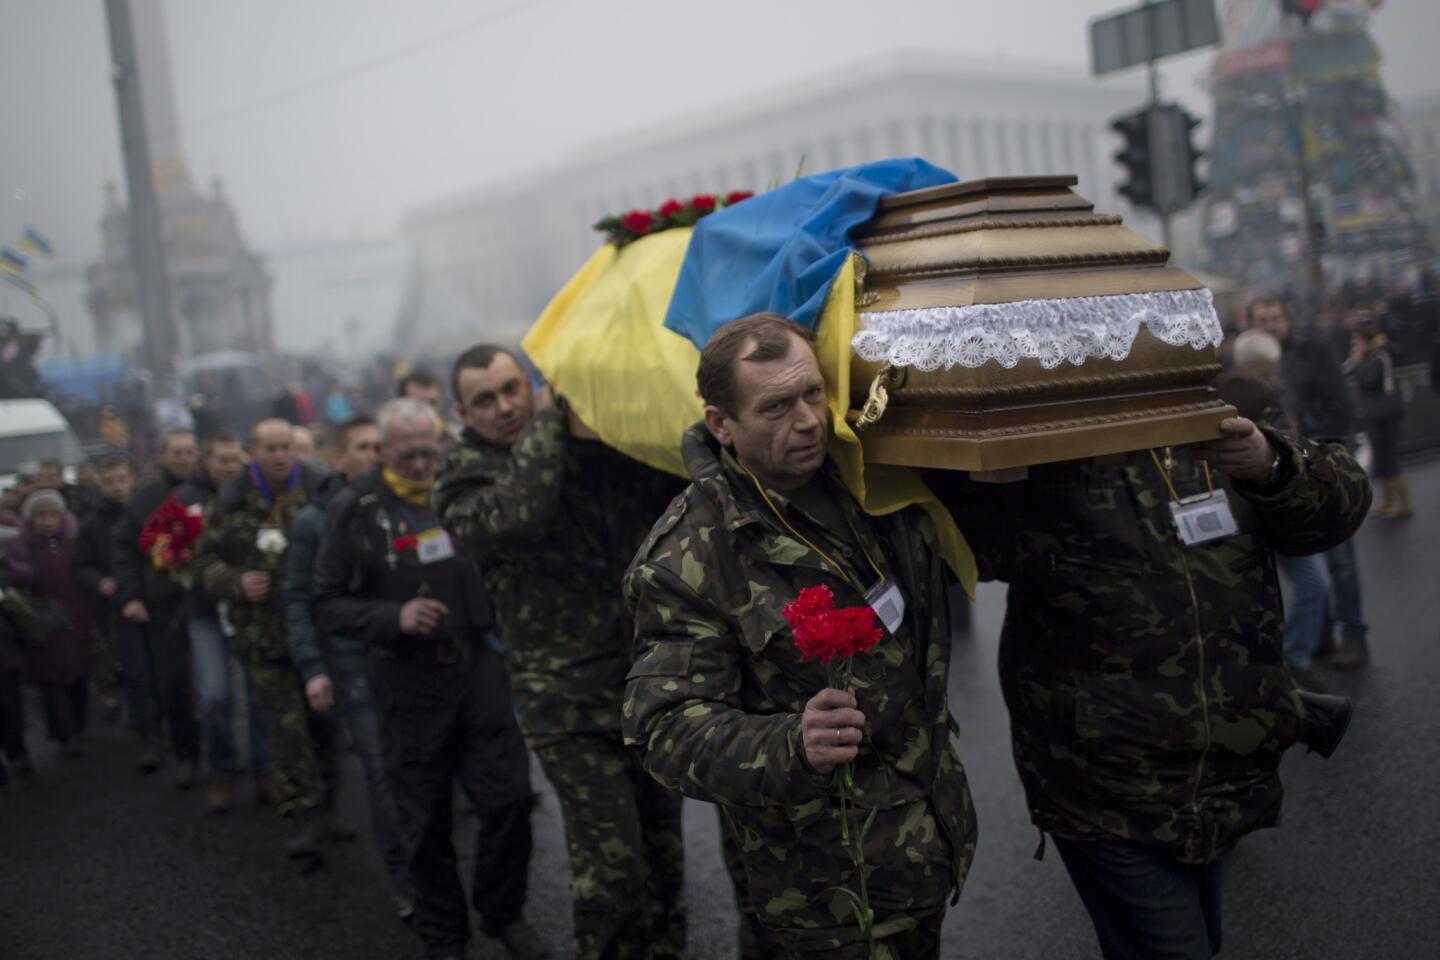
(240, 561)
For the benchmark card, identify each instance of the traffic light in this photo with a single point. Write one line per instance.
(1135, 157)
(1193, 154)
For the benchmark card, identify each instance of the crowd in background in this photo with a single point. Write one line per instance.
(286, 604)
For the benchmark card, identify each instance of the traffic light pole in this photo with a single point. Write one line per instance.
(1153, 69)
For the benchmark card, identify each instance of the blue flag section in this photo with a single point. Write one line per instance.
(781, 250)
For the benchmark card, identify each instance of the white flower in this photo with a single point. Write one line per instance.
(271, 540)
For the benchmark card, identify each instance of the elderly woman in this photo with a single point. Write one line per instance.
(57, 651)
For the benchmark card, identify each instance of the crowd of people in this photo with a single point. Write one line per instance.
(460, 596)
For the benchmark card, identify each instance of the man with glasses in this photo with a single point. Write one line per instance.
(389, 578)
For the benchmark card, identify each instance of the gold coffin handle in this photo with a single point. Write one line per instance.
(879, 397)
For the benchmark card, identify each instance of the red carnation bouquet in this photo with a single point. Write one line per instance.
(624, 228)
(169, 538)
(833, 636)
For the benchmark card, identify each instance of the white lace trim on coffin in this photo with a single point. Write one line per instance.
(1052, 331)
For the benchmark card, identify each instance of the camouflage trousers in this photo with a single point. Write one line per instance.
(627, 855)
(303, 764)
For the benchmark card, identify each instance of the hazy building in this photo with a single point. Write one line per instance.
(219, 288)
(487, 262)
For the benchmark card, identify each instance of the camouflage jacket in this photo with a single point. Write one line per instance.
(1145, 679)
(715, 696)
(245, 531)
(552, 521)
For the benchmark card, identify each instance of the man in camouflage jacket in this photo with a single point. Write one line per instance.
(240, 561)
(724, 708)
(1149, 702)
(552, 519)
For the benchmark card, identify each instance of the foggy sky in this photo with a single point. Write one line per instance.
(518, 94)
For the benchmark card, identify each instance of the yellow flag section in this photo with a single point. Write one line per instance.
(602, 345)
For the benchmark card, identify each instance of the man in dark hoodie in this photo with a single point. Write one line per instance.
(156, 659)
(336, 667)
(221, 461)
(241, 559)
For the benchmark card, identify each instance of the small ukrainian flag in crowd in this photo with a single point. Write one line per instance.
(11, 261)
(35, 242)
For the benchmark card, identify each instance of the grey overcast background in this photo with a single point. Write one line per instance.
(475, 90)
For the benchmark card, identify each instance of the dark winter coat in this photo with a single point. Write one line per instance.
(58, 649)
(1145, 679)
(135, 575)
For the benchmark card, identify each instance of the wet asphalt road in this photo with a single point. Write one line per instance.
(96, 862)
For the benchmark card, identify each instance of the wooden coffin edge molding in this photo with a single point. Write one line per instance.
(1003, 324)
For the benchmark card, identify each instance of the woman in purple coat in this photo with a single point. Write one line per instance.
(57, 653)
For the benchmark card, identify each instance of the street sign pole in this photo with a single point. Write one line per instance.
(1153, 68)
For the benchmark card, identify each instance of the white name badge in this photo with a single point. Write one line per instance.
(1202, 521)
(888, 603)
(432, 546)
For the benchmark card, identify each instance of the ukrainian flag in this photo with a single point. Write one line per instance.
(603, 345)
(11, 261)
(34, 242)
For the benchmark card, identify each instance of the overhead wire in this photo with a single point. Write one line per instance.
(350, 73)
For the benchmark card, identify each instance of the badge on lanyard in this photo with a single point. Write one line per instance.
(1199, 519)
(434, 545)
(888, 603)
(1203, 520)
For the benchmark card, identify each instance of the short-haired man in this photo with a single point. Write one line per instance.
(240, 560)
(1142, 665)
(221, 460)
(723, 707)
(157, 658)
(94, 567)
(420, 384)
(336, 667)
(1313, 381)
(552, 519)
(389, 579)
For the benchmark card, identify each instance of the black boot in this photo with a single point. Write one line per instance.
(1327, 717)
(304, 846)
(1353, 654)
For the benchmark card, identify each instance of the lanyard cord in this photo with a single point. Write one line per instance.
(880, 577)
(1165, 475)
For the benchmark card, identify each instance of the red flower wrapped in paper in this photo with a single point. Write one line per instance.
(833, 637)
(169, 538)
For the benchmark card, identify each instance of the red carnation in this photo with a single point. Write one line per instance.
(704, 202)
(737, 195)
(638, 221)
(406, 543)
(670, 207)
(824, 633)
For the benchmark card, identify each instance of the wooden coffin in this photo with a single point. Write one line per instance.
(996, 317)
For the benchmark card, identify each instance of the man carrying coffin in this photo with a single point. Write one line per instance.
(725, 706)
(1142, 664)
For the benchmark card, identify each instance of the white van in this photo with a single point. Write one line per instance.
(31, 432)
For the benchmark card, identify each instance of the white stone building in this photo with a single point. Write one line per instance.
(488, 261)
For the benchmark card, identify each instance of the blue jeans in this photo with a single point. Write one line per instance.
(1144, 904)
(1305, 617)
(1345, 586)
(352, 689)
(210, 660)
